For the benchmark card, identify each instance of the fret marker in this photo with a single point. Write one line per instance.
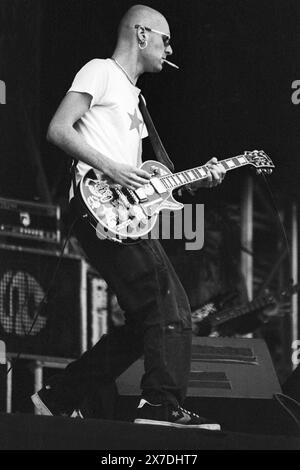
(191, 175)
(230, 163)
(177, 179)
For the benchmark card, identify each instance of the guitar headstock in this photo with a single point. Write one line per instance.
(260, 160)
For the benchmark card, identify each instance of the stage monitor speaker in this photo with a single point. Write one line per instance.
(220, 367)
(26, 275)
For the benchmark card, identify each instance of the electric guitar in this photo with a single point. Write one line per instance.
(122, 214)
(212, 319)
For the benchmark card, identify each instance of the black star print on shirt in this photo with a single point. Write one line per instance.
(135, 121)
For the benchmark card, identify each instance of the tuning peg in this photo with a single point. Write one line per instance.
(259, 171)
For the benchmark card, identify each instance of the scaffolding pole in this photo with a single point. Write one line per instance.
(247, 235)
(294, 274)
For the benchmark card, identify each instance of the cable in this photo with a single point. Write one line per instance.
(51, 283)
(279, 396)
(276, 210)
(287, 251)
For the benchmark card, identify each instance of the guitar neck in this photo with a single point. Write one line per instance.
(176, 180)
(257, 304)
(231, 314)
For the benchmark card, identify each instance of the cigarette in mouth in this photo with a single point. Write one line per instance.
(171, 64)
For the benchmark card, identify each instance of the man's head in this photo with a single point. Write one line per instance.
(146, 31)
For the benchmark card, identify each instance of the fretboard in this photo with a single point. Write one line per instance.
(175, 180)
(231, 314)
(257, 304)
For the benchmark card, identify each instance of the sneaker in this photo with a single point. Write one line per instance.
(44, 401)
(170, 415)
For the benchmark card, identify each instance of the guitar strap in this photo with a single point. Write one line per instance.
(157, 145)
(73, 177)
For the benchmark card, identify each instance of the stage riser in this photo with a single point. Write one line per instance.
(220, 367)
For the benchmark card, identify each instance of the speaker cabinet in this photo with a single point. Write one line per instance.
(42, 302)
(220, 367)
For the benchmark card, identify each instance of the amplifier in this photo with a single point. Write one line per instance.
(26, 276)
(29, 220)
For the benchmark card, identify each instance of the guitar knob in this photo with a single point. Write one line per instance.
(100, 211)
(122, 213)
(143, 222)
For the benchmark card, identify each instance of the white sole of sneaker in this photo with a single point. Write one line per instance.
(40, 405)
(44, 411)
(77, 414)
(209, 427)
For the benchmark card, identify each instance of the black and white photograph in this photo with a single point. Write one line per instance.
(149, 227)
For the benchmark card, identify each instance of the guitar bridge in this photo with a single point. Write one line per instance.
(132, 198)
(121, 197)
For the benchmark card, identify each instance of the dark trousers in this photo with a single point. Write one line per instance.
(158, 324)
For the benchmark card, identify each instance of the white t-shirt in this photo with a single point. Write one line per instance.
(113, 125)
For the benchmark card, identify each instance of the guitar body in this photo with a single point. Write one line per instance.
(124, 215)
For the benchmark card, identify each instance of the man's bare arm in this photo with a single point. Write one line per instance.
(61, 132)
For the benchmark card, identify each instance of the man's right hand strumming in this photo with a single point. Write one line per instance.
(126, 175)
(61, 132)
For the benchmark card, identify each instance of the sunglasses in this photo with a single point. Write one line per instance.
(165, 37)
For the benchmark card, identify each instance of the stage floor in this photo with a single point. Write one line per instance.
(21, 431)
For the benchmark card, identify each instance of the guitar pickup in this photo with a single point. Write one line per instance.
(142, 196)
(158, 185)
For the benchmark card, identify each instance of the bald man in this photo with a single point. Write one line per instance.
(100, 125)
